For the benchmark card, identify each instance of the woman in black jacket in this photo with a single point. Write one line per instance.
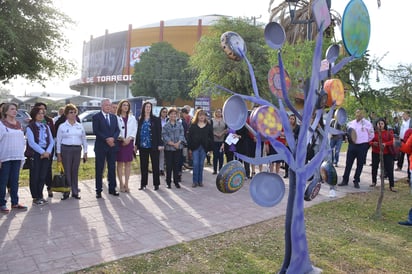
(200, 141)
(149, 143)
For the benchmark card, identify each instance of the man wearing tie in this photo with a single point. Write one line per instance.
(105, 147)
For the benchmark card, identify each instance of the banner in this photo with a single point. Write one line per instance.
(105, 55)
(135, 54)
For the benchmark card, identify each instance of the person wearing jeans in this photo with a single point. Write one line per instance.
(11, 156)
(199, 156)
(335, 142)
(200, 140)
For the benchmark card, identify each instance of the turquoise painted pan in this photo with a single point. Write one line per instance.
(356, 28)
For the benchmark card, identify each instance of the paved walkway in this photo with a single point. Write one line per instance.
(71, 235)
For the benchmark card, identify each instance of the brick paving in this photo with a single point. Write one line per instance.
(70, 235)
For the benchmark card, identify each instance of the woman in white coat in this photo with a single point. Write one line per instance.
(128, 128)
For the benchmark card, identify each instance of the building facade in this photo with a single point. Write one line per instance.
(108, 60)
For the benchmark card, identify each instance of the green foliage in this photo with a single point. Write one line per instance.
(162, 74)
(359, 93)
(213, 67)
(297, 61)
(401, 92)
(31, 40)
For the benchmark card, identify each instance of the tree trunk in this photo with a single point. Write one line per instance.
(378, 211)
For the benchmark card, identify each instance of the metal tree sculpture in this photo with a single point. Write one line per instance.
(268, 120)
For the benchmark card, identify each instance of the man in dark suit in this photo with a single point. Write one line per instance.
(107, 131)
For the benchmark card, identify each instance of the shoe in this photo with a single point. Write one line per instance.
(38, 202)
(66, 196)
(200, 184)
(214, 172)
(156, 188)
(393, 190)
(76, 197)
(373, 185)
(19, 206)
(169, 186)
(44, 201)
(336, 165)
(286, 176)
(356, 185)
(194, 185)
(142, 188)
(177, 185)
(114, 193)
(398, 169)
(343, 183)
(98, 195)
(4, 209)
(126, 189)
(50, 193)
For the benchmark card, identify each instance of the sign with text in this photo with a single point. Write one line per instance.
(203, 102)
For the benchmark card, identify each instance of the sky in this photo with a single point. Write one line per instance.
(389, 26)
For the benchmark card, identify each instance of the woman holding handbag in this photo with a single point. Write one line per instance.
(71, 137)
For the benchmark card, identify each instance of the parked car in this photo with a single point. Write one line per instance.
(23, 117)
(86, 120)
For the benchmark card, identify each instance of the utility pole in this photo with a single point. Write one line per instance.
(253, 18)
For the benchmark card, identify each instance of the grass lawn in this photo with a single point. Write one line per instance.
(343, 237)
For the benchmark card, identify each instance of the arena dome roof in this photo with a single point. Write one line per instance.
(207, 20)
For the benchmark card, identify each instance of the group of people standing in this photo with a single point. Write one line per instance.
(161, 142)
(158, 140)
(375, 134)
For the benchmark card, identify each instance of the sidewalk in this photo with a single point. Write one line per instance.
(70, 235)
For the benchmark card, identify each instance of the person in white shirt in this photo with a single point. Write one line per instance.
(358, 148)
(12, 145)
(71, 137)
(406, 124)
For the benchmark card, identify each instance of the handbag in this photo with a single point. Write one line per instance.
(393, 151)
(28, 163)
(59, 182)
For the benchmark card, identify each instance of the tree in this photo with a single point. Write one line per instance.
(212, 66)
(31, 37)
(162, 73)
(402, 89)
(4, 93)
